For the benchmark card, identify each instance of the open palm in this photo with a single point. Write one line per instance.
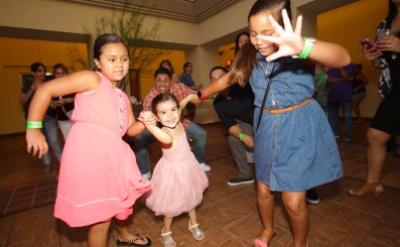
(289, 41)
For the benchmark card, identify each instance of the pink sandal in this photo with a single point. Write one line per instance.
(264, 234)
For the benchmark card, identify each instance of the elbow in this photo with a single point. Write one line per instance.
(167, 142)
(41, 92)
(346, 58)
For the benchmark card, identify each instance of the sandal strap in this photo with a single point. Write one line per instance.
(163, 234)
(193, 226)
(136, 237)
(266, 234)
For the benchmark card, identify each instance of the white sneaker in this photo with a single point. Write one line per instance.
(205, 167)
(146, 176)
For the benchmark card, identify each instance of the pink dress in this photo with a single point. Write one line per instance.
(99, 177)
(178, 181)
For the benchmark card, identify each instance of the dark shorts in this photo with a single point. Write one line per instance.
(387, 117)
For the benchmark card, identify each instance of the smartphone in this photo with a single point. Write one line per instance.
(369, 44)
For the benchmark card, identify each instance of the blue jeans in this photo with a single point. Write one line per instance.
(333, 113)
(50, 130)
(199, 136)
(139, 145)
(140, 142)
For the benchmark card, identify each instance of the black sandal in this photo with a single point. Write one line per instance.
(133, 242)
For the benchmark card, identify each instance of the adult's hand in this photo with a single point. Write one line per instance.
(372, 54)
(389, 43)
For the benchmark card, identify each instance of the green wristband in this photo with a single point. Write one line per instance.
(34, 124)
(308, 46)
(241, 136)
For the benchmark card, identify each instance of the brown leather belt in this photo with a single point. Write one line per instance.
(287, 109)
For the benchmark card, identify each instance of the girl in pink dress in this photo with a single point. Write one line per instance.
(99, 178)
(178, 181)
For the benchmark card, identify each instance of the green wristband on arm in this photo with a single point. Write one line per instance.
(34, 124)
(308, 46)
(241, 136)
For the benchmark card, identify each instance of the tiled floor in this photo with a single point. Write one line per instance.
(228, 214)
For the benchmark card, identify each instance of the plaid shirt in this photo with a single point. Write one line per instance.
(180, 91)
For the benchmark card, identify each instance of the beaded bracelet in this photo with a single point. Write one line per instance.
(308, 46)
(34, 124)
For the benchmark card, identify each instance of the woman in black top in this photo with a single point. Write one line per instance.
(386, 121)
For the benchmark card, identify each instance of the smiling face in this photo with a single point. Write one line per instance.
(113, 61)
(163, 82)
(168, 113)
(259, 24)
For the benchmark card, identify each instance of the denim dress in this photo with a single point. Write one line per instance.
(296, 150)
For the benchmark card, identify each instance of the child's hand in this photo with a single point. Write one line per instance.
(290, 42)
(148, 119)
(36, 143)
(248, 141)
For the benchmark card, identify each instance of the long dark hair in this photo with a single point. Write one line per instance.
(246, 57)
(392, 13)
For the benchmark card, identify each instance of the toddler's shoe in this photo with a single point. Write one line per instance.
(197, 233)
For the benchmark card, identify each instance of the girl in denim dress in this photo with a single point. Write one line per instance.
(295, 149)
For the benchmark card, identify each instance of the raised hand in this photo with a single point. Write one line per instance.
(289, 41)
(36, 143)
(148, 119)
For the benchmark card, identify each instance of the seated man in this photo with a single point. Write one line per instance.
(235, 109)
(162, 79)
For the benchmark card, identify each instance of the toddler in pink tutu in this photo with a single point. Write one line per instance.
(178, 181)
(99, 179)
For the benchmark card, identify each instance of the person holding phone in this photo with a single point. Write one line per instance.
(386, 121)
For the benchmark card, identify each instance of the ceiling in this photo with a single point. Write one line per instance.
(186, 10)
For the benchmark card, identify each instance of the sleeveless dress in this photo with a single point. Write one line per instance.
(99, 177)
(296, 150)
(178, 182)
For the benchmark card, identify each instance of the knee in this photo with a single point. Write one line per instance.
(201, 137)
(264, 195)
(376, 137)
(100, 228)
(295, 205)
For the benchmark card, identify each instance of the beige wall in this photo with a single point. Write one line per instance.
(347, 26)
(63, 16)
